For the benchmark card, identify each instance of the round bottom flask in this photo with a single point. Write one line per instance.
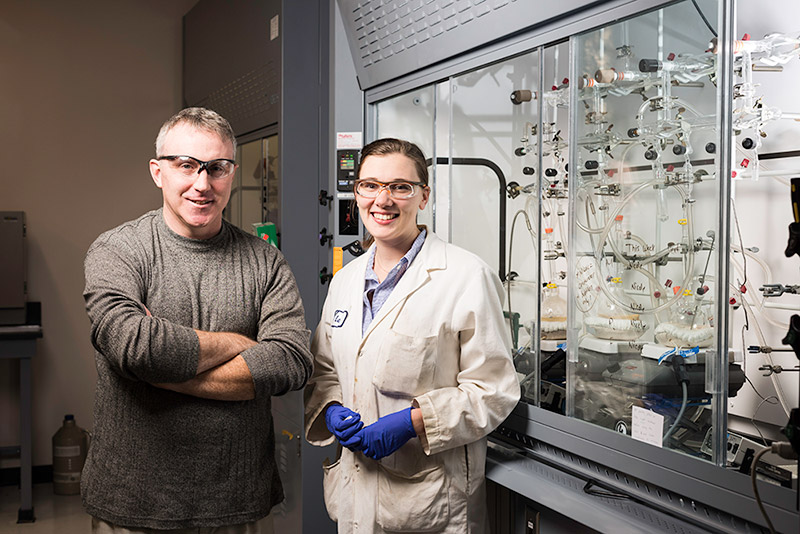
(612, 321)
(688, 326)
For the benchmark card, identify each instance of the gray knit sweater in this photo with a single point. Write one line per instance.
(164, 460)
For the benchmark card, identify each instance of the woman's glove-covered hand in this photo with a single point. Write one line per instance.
(387, 434)
(344, 423)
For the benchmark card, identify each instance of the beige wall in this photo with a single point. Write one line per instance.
(84, 87)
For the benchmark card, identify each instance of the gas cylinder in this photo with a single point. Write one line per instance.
(70, 445)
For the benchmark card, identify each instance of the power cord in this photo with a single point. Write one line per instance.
(509, 276)
(784, 450)
(682, 378)
(702, 16)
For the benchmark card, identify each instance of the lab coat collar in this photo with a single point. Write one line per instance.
(432, 257)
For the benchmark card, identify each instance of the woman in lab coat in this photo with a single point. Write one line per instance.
(412, 366)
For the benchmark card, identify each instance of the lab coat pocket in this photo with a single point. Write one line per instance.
(406, 365)
(415, 503)
(333, 482)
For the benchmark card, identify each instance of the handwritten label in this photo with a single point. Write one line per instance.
(586, 293)
(635, 247)
(339, 317)
(647, 426)
(636, 286)
(581, 270)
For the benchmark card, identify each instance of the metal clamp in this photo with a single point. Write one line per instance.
(775, 369)
(776, 290)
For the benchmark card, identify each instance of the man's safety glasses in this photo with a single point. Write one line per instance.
(187, 165)
(368, 188)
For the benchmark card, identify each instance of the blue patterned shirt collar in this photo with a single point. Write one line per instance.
(382, 290)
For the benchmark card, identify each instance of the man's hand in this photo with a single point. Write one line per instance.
(221, 373)
(218, 347)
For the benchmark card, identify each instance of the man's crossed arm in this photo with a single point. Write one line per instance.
(222, 373)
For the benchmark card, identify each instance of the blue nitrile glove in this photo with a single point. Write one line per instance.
(387, 434)
(344, 423)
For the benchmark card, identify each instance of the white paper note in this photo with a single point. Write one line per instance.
(647, 426)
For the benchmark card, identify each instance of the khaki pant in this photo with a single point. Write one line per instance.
(262, 526)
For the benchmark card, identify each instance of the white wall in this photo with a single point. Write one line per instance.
(85, 87)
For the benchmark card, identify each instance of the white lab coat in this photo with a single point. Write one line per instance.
(439, 342)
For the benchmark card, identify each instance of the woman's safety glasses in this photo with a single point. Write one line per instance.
(187, 165)
(398, 190)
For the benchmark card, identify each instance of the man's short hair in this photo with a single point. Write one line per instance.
(201, 118)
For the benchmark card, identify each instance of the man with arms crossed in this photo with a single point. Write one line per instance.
(196, 325)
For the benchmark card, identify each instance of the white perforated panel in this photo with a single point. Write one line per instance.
(391, 38)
